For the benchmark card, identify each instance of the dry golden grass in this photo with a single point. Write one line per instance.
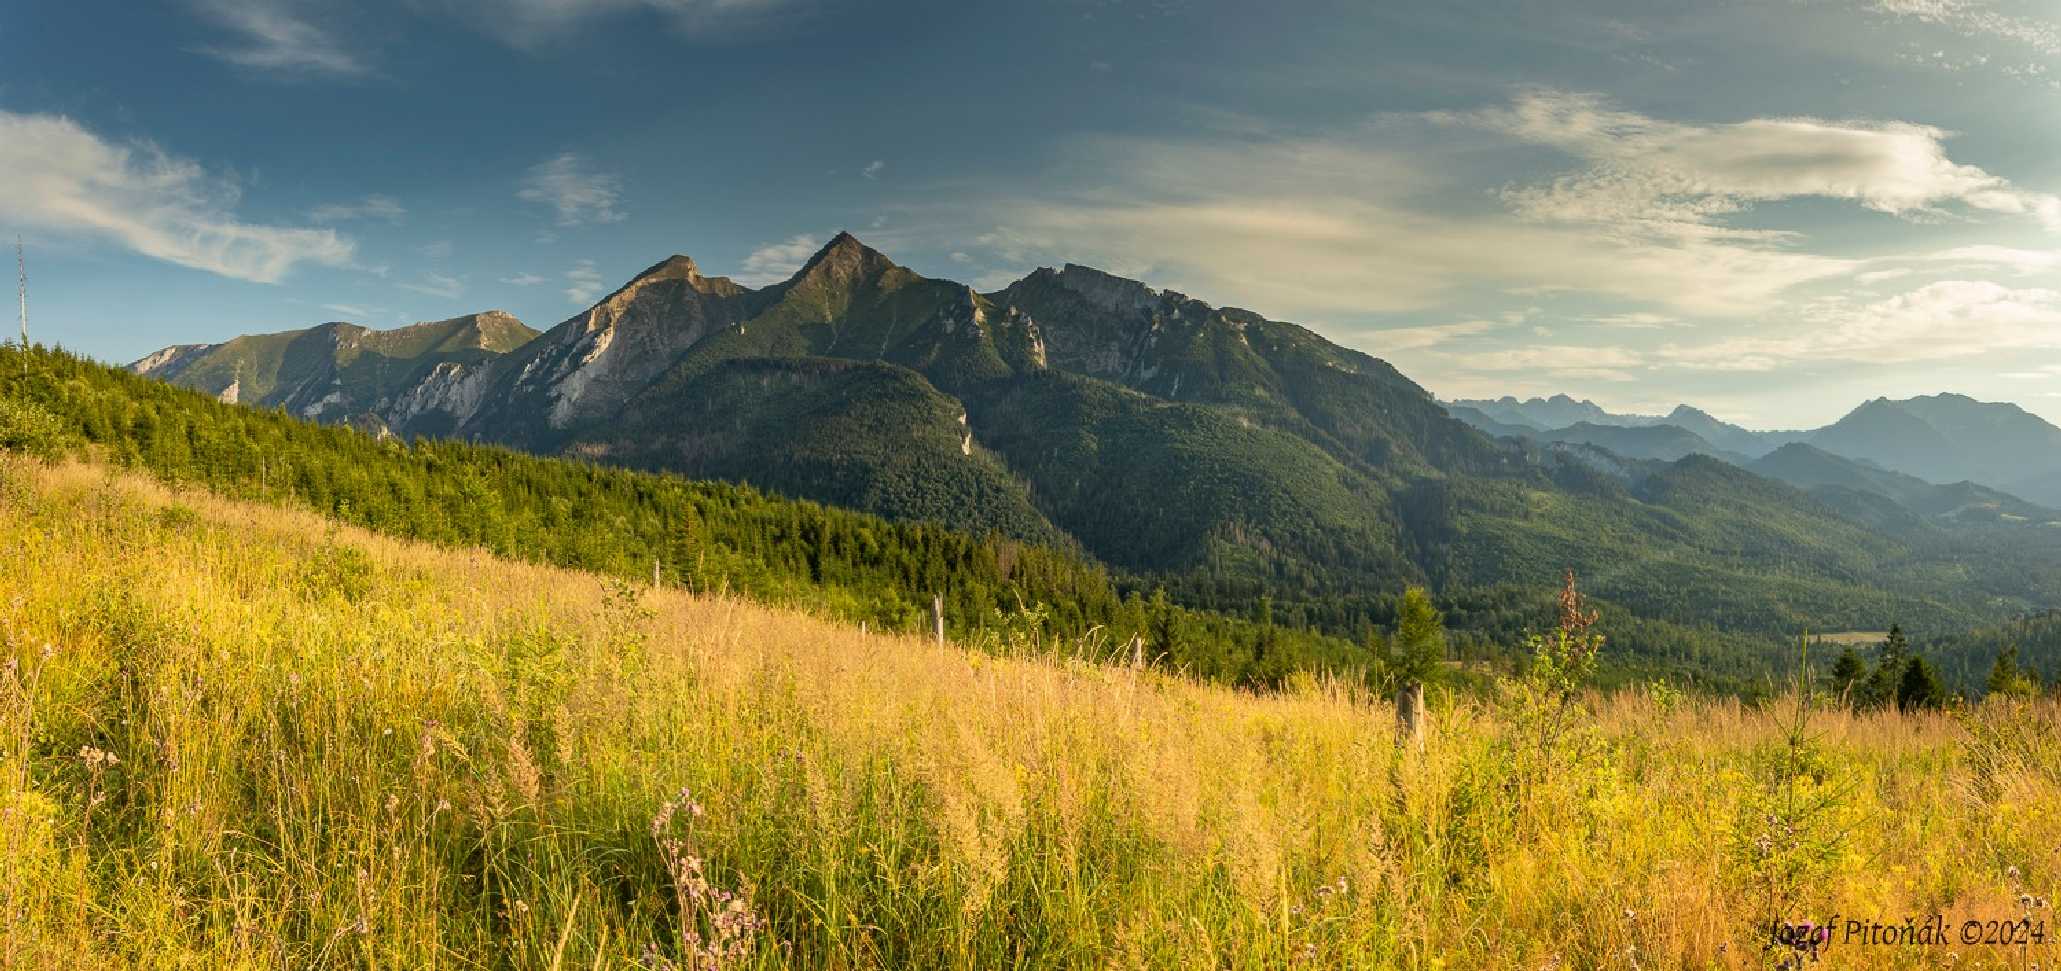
(235, 736)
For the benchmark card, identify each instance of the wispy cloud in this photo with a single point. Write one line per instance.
(276, 36)
(578, 194)
(66, 179)
(1351, 225)
(873, 169)
(1939, 321)
(523, 280)
(440, 249)
(526, 23)
(1637, 320)
(775, 262)
(583, 283)
(437, 285)
(1413, 338)
(1973, 18)
(1671, 180)
(1367, 221)
(360, 313)
(371, 207)
(2006, 257)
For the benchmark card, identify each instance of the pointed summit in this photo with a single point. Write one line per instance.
(843, 261)
(675, 268)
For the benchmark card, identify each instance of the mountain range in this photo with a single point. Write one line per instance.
(1942, 439)
(1208, 449)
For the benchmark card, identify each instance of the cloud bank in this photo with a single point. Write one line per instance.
(62, 178)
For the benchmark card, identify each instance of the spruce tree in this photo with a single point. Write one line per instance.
(1848, 671)
(2007, 679)
(1419, 644)
(1162, 640)
(1920, 687)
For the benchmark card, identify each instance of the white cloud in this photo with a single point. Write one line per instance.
(775, 262)
(1565, 359)
(1414, 338)
(1939, 321)
(1365, 221)
(2018, 260)
(1313, 228)
(370, 207)
(65, 179)
(873, 169)
(1972, 18)
(437, 285)
(276, 37)
(1637, 321)
(959, 256)
(583, 283)
(578, 195)
(530, 22)
(347, 310)
(1670, 180)
(436, 250)
(523, 280)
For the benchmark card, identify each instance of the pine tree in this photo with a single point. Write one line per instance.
(1162, 640)
(1886, 682)
(1419, 644)
(1920, 687)
(2007, 679)
(1848, 671)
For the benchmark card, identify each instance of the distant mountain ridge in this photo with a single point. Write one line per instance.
(338, 370)
(1210, 449)
(1943, 439)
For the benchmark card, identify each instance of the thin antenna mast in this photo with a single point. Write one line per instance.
(21, 268)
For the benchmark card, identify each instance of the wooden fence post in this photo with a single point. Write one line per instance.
(1410, 716)
(937, 616)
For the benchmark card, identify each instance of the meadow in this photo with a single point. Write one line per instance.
(234, 735)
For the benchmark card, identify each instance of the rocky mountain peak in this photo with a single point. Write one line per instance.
(842, 262)
(1107, 290)
(682, 269)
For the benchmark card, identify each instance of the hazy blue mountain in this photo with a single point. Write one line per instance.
(1545, 414)
(1559, 413)
(1663, 442)
(1948, 438)
(1815, 470)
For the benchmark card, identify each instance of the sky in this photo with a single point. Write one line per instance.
(1771, 209)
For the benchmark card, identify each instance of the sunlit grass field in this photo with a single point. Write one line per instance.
(236, 736)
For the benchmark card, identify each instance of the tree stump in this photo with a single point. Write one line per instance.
(1410, 716)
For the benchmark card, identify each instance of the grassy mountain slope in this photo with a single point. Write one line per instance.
(241, 736)
(702, 535)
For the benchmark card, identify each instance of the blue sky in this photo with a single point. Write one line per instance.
(1773, 209)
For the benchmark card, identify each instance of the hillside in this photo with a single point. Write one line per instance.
(698, 534)
(476, 762)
